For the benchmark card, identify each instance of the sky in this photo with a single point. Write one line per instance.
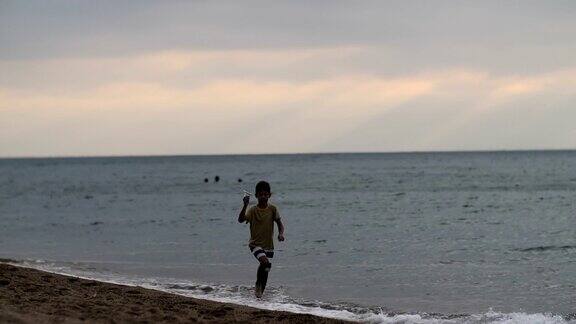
(101, 78)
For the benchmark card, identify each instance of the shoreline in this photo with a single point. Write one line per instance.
(29, 296)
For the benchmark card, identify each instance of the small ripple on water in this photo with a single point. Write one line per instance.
(547, 248)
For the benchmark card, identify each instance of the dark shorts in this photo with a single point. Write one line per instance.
(258, 252)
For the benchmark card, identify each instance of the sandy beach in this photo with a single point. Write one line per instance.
(32, 296)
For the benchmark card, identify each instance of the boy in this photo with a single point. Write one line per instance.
(261, 218)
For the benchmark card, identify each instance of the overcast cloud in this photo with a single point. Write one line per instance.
(202, 77)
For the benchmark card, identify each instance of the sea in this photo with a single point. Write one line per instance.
(447, 237)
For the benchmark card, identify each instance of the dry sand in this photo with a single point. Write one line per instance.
(33, 296)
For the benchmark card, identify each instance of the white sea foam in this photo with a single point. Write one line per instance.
(518, 318)
(277, 300)
(488, 317)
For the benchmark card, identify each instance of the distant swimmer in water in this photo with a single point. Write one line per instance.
(205, 180)
(216, 178)
(262, 218)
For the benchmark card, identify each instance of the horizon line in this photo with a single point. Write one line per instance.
(281, 154)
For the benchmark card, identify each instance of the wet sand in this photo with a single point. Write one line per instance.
(33, 296)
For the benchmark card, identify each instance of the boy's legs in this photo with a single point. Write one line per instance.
(263, 269)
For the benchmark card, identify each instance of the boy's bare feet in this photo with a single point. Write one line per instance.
(259, 290)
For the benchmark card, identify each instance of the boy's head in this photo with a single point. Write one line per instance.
(263, 191)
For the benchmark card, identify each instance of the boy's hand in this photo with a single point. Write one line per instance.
(246, 200)
(280, 237)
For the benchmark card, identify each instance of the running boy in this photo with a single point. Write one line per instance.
(261, 218)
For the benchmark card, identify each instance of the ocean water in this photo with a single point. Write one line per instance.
(475, 237)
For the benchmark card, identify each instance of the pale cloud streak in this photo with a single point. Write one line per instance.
(313, 112)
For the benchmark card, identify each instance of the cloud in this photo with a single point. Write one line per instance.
(272, 115)
(177, 68)
(225, 95)
(521, 36)
(220, 77)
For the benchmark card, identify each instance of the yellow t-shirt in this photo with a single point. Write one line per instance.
(262, 226)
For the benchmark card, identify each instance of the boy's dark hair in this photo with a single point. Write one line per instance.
(262, 186)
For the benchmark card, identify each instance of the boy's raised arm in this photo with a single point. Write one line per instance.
(242, 215)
